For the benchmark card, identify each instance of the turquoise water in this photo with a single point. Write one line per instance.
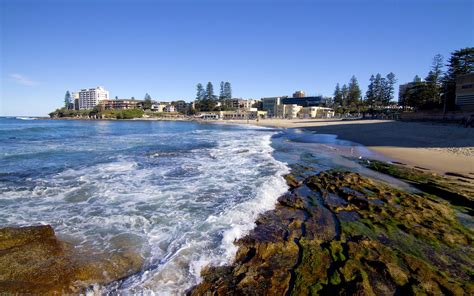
(178, 192)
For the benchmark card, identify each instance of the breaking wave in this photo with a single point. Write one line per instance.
(182, 192)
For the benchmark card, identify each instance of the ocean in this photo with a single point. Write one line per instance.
(177, 193)
(180, 193)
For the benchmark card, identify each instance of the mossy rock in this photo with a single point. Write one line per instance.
(34, 261)
(351, 235)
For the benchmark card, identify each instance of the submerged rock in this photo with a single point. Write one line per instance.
(340, 233)
(34, 261)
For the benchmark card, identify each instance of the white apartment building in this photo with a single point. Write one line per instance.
(89, 98)
(169, 108)
(288, 111)
(316, 112)
(247, 104)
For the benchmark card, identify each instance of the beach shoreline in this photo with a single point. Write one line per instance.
(441, 148)
(303, 219)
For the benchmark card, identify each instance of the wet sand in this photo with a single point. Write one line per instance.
(438, 147)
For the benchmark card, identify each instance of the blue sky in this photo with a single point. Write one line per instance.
(264, 48)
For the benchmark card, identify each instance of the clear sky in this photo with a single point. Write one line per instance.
(264, 48)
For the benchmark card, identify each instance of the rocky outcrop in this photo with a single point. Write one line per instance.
(339, 233)
(34, 261)
(456, 188)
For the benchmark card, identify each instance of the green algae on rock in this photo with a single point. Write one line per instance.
(458, 189)
(340, 233)
(34, 261)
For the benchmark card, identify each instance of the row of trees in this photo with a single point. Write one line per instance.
(348, 96)
(205, 98)
(380, 92)
(438, 90)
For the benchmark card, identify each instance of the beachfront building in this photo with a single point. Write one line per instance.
(299, 94)
(156, 107)
(232, 103)
(181, 106)
(465, 92)
(316, 112)
(305, 101)
(271, 104)
(289, 111)
(90, 97)
(208, 116)
(233, 115)
(75, 100)
(238, 104)
(242, 114)
(169, 108)
(248, 104)
(121, 104)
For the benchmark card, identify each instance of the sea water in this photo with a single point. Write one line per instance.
(180, 192)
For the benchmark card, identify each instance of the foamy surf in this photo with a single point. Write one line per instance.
(181, 192)
(182, 269)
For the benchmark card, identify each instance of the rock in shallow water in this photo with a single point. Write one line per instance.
(343, 234)
(34, 261)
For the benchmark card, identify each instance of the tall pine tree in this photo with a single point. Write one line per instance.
(461, 62)
(389, 89)
(222, 91)
(345, 94)
(227, 90)
(210, 91)
(338, 96)
(370, 97)
(200, 94)
(354, 93)
(434, 79)
(147, 102)
(379, 89)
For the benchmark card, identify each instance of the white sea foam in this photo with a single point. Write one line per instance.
(188, 206)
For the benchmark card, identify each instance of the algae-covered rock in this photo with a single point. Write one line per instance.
(455, 188)
(34, 261)
(343, 234)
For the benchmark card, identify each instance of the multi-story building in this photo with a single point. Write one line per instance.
(248, 104)
(239, 103)
(233, 115)
(75, 100)
(298, 94)
(271, 105)
(169, 108)
(316, 112)
(288, 111)
(304, 101)
(181, 106)
(89, 98)
(157, 107)
(465, 92)
(121, 104)
(231, 103)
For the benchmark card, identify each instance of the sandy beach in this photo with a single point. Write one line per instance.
(438, 147)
